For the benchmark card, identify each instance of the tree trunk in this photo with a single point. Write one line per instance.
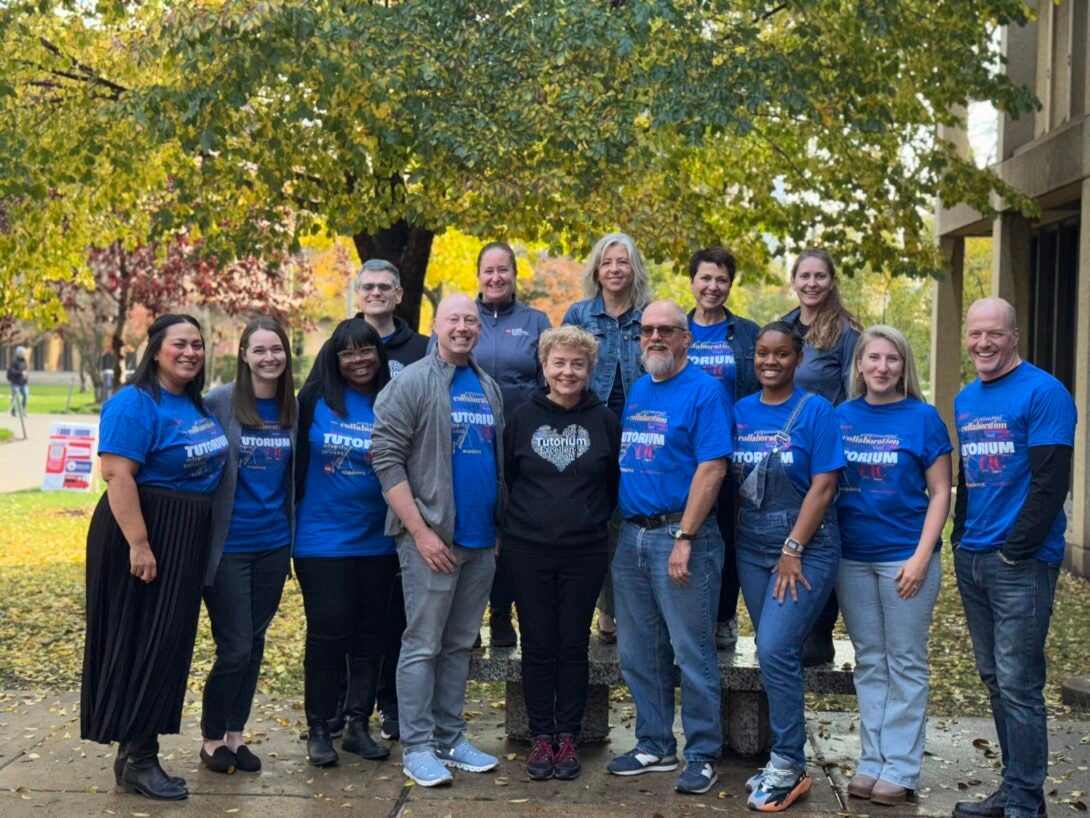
(408, 246)
(117, 341)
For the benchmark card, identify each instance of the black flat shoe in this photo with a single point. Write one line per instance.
(246, 761)
(221, 761)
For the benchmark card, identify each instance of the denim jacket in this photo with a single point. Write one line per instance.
(618, 340)
(742, 337)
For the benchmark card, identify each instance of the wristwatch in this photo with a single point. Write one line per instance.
(684, 535)
(793, 547)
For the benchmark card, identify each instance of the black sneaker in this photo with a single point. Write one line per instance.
(566, 766)
(391, 727)
(503, 632)
(818, 650)
(539, 764)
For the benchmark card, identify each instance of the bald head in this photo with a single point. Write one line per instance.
(991, 337)
(457, 327)
(667, 311)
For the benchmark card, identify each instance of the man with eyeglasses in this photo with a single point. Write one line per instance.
(675, 442)
(437, 451)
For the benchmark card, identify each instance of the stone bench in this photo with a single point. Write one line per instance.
(744, 704)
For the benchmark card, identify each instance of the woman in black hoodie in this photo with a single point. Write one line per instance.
(561, 451)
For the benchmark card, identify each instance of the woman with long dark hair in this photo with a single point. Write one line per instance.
(162, 457)
(252, 519)
(345, 562)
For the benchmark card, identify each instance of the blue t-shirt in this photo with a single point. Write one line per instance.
(814, 448)
(259, 516)
(711, 351)
(343, 512)
(176, 446)
(669, 428)
(883, 491)
(998, 422)
(473, 446)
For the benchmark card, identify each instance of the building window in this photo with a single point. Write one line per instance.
(1054, 269)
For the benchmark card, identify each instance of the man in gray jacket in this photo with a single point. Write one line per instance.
(437, 451)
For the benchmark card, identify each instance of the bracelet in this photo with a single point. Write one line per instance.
(789, 553)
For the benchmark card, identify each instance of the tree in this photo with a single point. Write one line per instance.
(757, 124)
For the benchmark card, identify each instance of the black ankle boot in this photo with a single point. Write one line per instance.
(362, 684)
(119, 766)
(143, 775)
(320, 745)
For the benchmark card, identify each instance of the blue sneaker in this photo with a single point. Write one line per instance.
(636, 761)
(465, 756)
(698, 777)
(777, 789)
(424, 768)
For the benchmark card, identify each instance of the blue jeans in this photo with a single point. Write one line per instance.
(781, 629)
(892, 677)
(659, 621)
(443, 617)
(1008, 608)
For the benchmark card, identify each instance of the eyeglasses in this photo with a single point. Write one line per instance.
(356, 353)
(664, 332)
(371, 287)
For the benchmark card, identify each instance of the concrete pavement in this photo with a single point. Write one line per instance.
(22, 462)
(45, 770)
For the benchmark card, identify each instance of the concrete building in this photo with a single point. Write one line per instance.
(1040, 265)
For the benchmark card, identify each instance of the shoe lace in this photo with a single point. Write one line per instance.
(566, 751)
(773, 777)
(542, 751)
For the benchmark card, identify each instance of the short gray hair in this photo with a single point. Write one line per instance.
(379, 265)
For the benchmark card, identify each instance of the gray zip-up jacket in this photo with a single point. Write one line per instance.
(412, 441)
(218, 402)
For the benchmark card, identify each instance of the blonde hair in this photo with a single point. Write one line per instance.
(641, 284)
(568, 336)
(909, 382)
(827, 328)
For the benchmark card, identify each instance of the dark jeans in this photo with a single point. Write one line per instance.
(395, 626)
(1008, 609)
(501, 596)
(555, 591)
(241, 603)
(346, 601)
(729, 586)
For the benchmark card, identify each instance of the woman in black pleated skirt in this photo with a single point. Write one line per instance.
(147, 547)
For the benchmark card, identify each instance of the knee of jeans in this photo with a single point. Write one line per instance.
(776, 655)
(233, 658)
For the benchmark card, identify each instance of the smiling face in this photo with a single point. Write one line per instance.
(615, 271)
(710, 286)
(566, 372)
(377, 294)
(776, 360)
(496, 276)
(266, 357)
(457, 327)
(812, 282)
(664, 339)
(181, 357)
(882, 369)
(358, 366)
(991, 338)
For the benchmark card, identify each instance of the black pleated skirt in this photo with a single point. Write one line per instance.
(140, 635)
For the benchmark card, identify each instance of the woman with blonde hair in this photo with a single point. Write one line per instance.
(618, 288)
(894, 499)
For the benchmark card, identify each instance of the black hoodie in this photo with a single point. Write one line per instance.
(562, 473)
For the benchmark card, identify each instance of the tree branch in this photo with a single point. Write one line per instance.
(86, 73)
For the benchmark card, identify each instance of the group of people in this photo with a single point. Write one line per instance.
(666, 462)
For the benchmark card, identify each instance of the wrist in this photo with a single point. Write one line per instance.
(787, 553)
(792, 547)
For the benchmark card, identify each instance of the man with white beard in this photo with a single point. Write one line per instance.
(675, 441)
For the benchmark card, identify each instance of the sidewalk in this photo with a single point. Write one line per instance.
(45, 770)
(22, 462)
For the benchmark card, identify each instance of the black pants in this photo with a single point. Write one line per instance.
(555, 590)
(241, 603)
(395, 626)
(346, 601)
(729, 587)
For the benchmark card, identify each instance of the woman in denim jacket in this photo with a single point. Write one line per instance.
(617, 288)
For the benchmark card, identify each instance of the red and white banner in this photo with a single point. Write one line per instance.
(70, 460)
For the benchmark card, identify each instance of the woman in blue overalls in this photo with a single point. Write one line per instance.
(787, 457)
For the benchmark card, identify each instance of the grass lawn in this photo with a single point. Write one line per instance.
(51, 400)
(41, 618)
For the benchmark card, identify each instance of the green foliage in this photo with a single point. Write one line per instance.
(757, 125)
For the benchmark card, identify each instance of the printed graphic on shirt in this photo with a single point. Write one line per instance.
(560, 448)
(644, 433)
(714, 357)
(395, 367)
(515, 331)
(346, 447)
(987, 446)
(750, 448)
(472, 424)
(261, 449)
(198, 454)
(872, 455)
